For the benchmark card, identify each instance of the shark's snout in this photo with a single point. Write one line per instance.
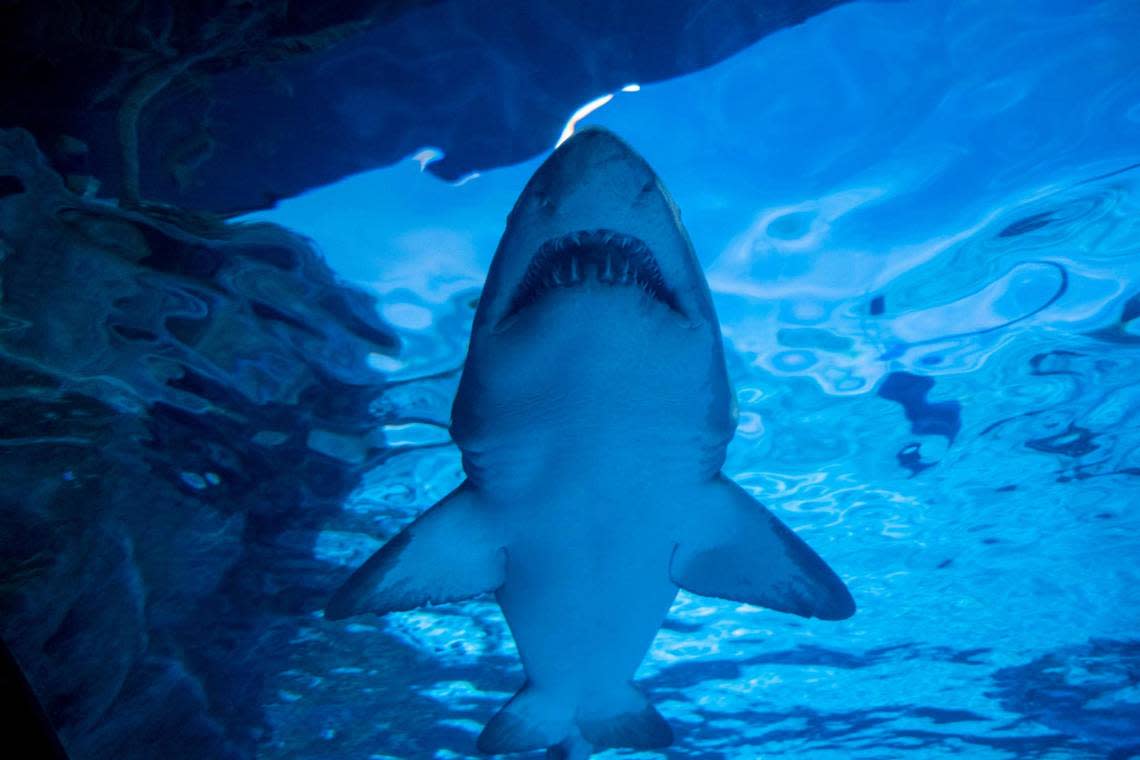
(594, 169)
(594, 214)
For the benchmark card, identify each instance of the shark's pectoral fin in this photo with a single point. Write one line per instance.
(736, 549)
(451, 552)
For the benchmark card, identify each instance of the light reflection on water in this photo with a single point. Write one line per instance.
(924, 255)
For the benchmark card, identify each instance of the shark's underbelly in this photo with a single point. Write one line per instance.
(584, 606)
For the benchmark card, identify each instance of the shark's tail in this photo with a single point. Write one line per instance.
(533, 720)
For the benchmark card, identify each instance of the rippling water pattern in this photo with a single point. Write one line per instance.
(921, 224)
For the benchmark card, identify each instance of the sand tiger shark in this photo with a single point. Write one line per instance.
(592, 414)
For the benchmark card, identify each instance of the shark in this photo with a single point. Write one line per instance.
(593, 414)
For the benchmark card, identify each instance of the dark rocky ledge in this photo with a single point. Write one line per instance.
(174, 403)
(232, 104)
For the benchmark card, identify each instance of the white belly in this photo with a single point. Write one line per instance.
(584, 599)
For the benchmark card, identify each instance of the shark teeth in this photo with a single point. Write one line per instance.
(604, 256)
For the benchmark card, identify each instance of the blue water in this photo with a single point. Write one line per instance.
(921, 224)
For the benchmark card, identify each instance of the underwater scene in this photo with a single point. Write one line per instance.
(770, 370)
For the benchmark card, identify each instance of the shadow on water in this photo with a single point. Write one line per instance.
(1070, 701)
(1081, 692)
(389, 700)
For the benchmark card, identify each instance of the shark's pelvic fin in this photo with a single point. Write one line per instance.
(531, 720)
(736, 549)
(451, 552)
(573, 748)
(632, 723)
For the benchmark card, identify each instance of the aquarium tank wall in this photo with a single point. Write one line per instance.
(710, 379)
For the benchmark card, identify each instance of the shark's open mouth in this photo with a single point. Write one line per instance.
(604, 256)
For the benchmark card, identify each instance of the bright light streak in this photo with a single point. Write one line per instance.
(465, 179)
(426, 156)
(631, 88)
(582, 113)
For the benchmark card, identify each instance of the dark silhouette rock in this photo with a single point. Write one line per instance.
(233, 105)
(160, 389)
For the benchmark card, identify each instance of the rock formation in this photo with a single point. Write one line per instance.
(233, 104)
(174, 403)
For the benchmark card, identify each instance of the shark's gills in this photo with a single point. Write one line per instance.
(451, 552)
(736, 549)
